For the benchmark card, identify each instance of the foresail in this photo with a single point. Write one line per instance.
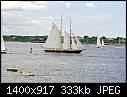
(98, 42)
(54, 39)
(73, 45)
(66, 43)
(79, 44)
(2, 44)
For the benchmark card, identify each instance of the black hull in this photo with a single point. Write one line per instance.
(64, 51)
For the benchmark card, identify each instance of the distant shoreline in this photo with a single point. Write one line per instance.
(26, 41)
(115, 44)
(84, 40)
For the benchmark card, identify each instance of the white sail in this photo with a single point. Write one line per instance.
(54, 39)
(98, 42)
(66, 43)
(73, 45)
(2, 44)
(102, 43)
(79, 44)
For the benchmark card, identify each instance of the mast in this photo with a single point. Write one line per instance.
(70, 34)
(61, 25)
(119, 40)
(61, 30)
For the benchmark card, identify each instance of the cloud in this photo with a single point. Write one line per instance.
(95, 17)
(24, 5)
(66, 3)
(90, 5)
(18, 20)
(23, 24)
(35, 22)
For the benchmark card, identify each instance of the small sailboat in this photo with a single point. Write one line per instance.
(98, 42)
(3, 50)
(70, 44)
(26, 73)
(13, 69)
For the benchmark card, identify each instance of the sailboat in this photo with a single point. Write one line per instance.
(70, 44)
(3, 50)
(98, 42)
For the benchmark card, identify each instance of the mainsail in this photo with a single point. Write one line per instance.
(102, 43)
(2, 44)
(66, 43)
(54, 39)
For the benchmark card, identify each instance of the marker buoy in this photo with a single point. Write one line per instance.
(30, 50)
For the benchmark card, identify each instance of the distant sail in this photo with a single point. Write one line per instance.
(66, 43)
(102, 43)
(2, 44)
(79, 44)
(54, 39)
(98, 42)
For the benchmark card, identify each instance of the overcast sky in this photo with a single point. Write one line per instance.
(108, 18)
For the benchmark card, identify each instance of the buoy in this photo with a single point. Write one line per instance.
(30, 50)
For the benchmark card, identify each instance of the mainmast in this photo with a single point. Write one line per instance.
(61, 30)
(70, 35)
(61, 25)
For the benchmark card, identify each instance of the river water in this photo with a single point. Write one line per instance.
(94, 65)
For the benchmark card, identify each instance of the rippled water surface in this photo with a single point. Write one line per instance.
(94, 65)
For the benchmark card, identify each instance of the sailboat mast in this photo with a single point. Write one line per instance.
(61, 29)
(70, 34)
(61, 25)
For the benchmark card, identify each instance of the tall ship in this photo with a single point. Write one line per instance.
(69, 44)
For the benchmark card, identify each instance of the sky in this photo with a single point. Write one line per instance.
(91, 18)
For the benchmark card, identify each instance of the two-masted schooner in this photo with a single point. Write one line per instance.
(70, 44)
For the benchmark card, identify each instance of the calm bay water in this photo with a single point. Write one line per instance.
(94, 65)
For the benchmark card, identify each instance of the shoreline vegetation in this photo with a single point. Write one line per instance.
(84, 40)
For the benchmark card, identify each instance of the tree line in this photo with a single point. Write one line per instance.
(84, 40)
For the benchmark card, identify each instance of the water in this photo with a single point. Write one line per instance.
(94, 65)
